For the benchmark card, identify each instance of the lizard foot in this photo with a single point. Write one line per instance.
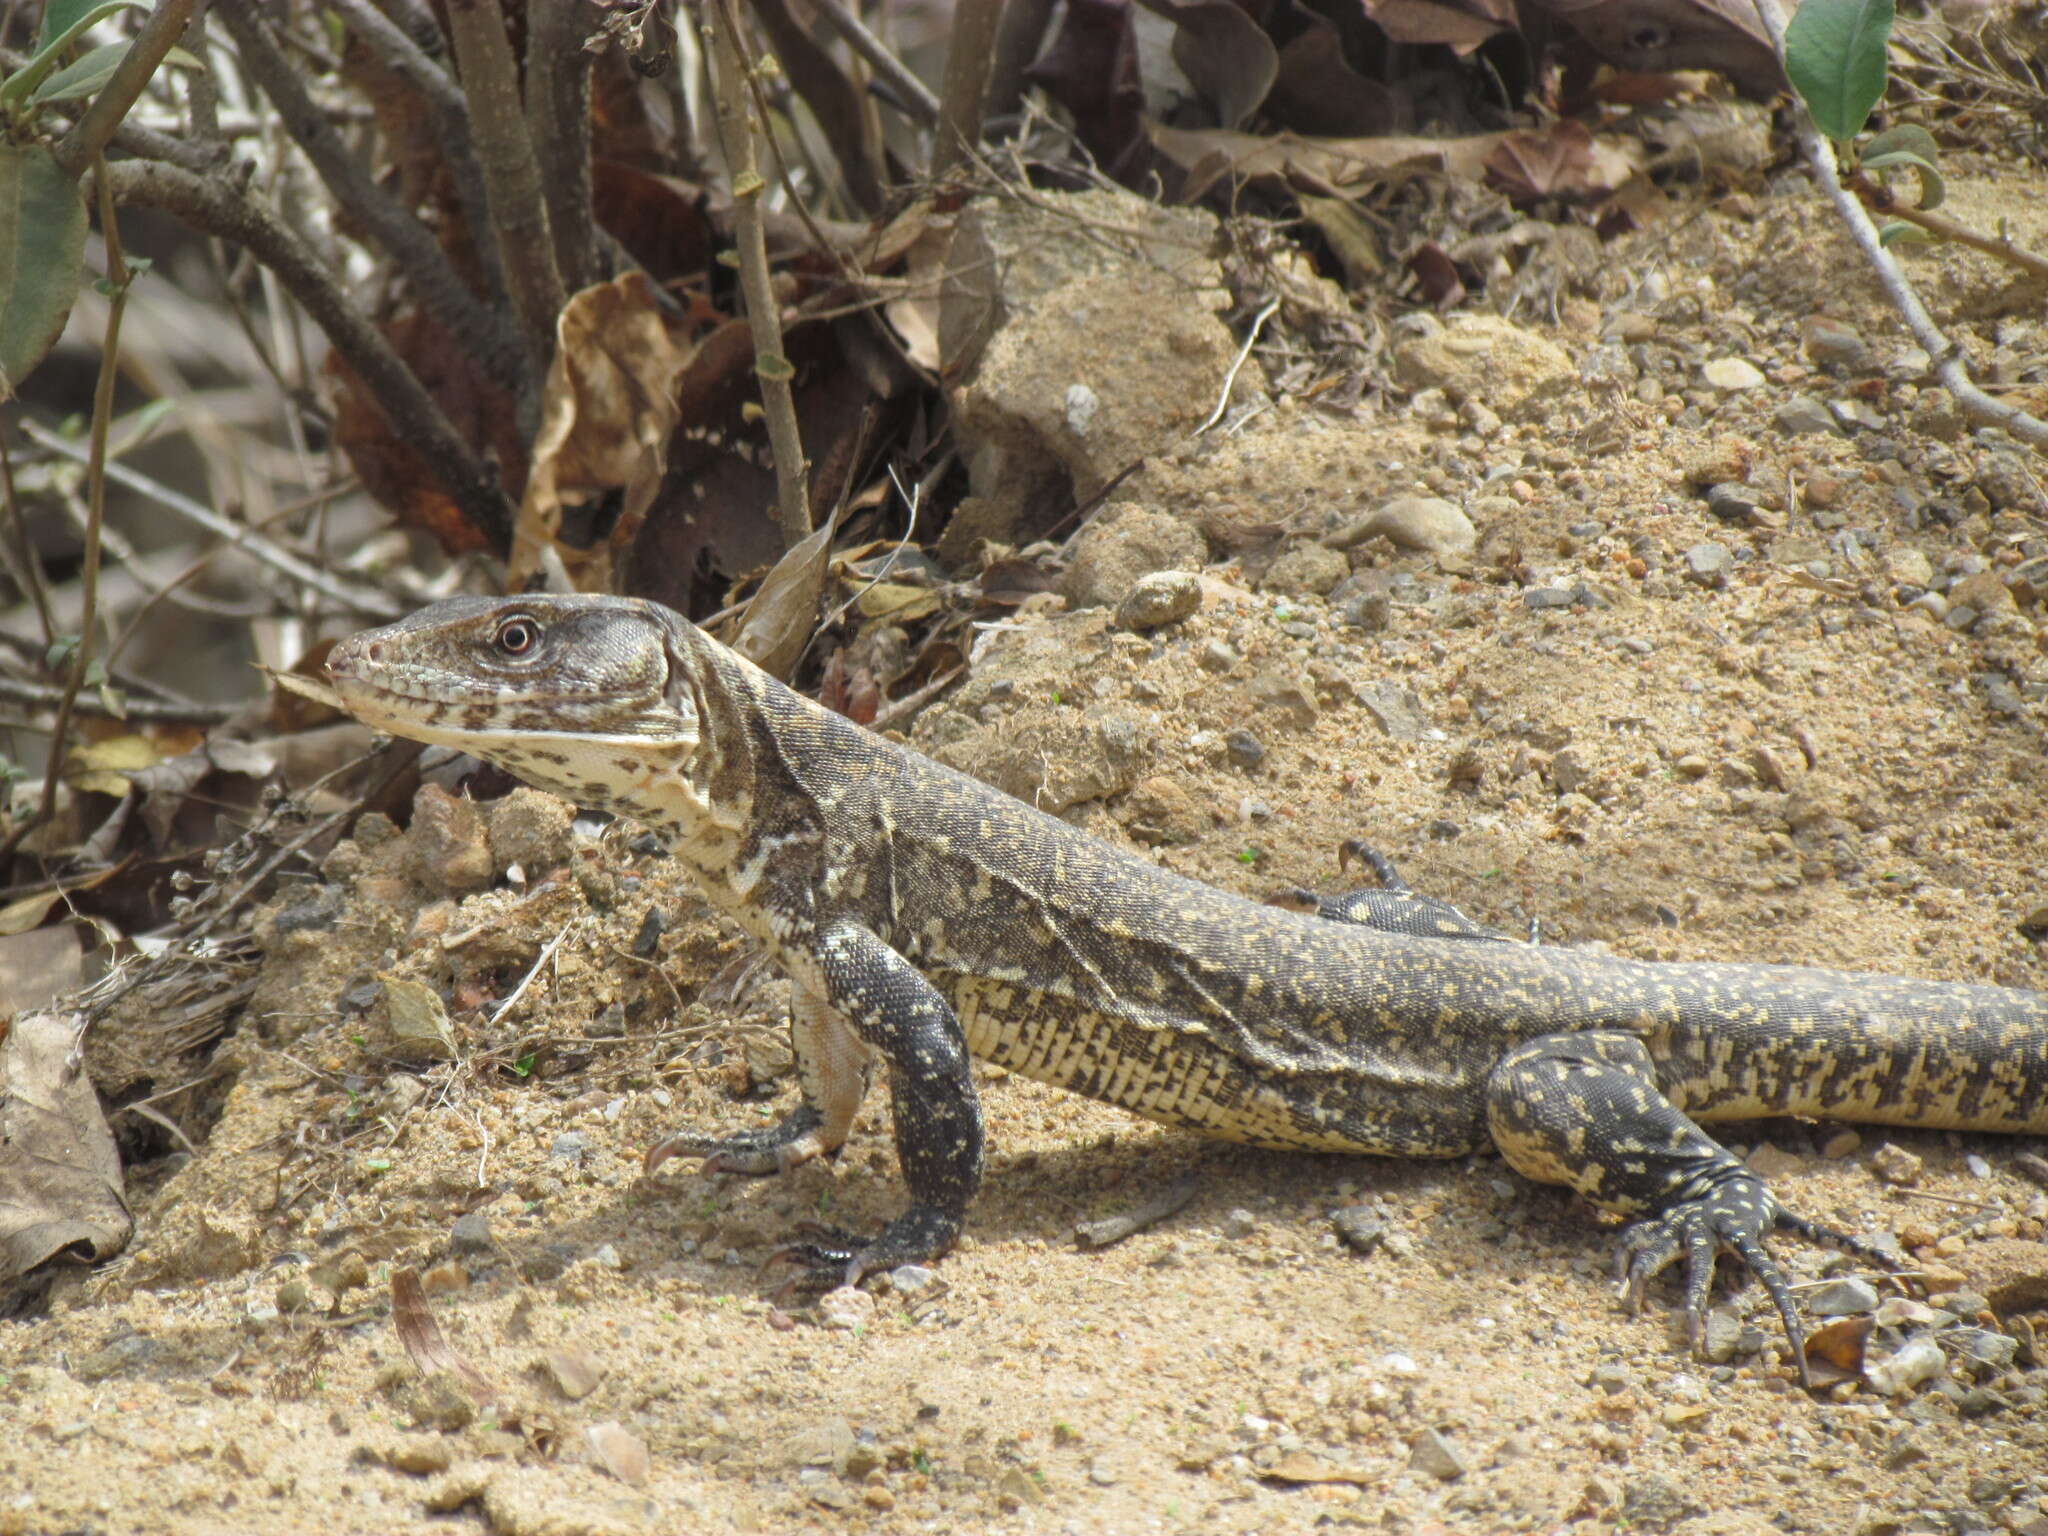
(1736, 1215)
(827, 1257)
(789, 1145)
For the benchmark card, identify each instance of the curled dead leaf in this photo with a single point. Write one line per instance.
(60, 1177)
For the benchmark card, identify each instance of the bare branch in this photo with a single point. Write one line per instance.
(44, 696)
(92, 132)
(519, 217)
(404, 57)
(443, 294)
(960, 95)
(219, 207)
(912, 95)
(772, 368)
(838, 107)
(558, 120)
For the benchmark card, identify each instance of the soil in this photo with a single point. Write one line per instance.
(1767, 753)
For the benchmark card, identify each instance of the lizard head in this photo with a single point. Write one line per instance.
(573, 694)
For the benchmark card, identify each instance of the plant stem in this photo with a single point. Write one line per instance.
(960, 94)
(89, 135)
(118, 280)
(558, 120)
(772, 367)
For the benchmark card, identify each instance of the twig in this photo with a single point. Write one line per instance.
(1114, 1229)
(43, 695)
(772, 367)
(1880, 199)
(504, 148)
(1230, 379)
(217, 206)
(433, 279)
(119, 279)
(405, 58)
(1948, 361)
(960, 94)
(899, 710)
(90, 134)
(913, 96)
(353, 596)
(23, 563)
(818, 79)
(558, 120)
(526, 981)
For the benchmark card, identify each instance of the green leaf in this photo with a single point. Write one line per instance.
(1834, 54)
(82, 77)
(42, 254)
(1913, 146)
(51, 49)
(60, 19)
(1899, 232)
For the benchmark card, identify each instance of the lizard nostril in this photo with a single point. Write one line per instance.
(373, 652)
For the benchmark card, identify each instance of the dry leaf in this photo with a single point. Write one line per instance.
(620, 1452)
(60, 1177)
(1303, 1468)
(1319, 165)
(1226, 56)
(1840, 1343)
(606, 415)
(425, 1345)
(1721, 35)
(38, 967)
(1463, 25)
(780, 619)
(104, 767)
(1562, 159)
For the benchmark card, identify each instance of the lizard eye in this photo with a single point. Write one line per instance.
(518, 636)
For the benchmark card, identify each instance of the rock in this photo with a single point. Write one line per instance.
(1359, 1227)
(1841, 1298)
(1985, 1351)
(1159, 598)
(1159, 810)
(1936, 415)
(570, 1147)
(1244, 749)
(1483, 357)
(1054, 756)
(1731, 375)
(529, 829)
(1722, 460)
(1730, 503)
(1770, 1162)
(1426, 523)
(1835, 344)
(1569, 770)
(1306, 570)
(1538, 599)
(1723, 1340)
(847, 1307)
(128, 1353)
(1910, 567)
(575, 1372)
(444, 1279)
(911, 1279)
(1239, 1224)
(1289, 690)
(1916, 1362)
(1707, 564)
(1431, 1453)
(1125, 542)
(1843, 1143)
(1397, 709)
(1895, 1165)
(1985, 592)
(2011, 1272)
(448, 850)
(410, 1022)
(824, 1444)
(1651, 1502)
(1217, 656)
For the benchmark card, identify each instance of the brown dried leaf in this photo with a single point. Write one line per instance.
(606, 415)
(1303, 1468)
(1563, 160)
(620, 1452)
(1462, 25)
(1840, 1344)
(1327, 166)
(38, 967)
(1721, 35)
(1091, 69)
(1318, 92)
(1225, 54)
(60, 1177)
(779, 621)
(1437, 274)
(425, 1345)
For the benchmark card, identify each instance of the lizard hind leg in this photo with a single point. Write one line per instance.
(833, 1068)
(1584, 1110)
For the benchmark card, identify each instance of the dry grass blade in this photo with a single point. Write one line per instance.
(425, 1345)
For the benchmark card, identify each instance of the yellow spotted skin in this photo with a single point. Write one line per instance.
(926, 917)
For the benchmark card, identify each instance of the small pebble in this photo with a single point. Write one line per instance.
(1161, 598)
(847, 1307)
(1895, 1165)
(1431, 1453)
(1239, 1224)
(1244, 749)
(1841, 1298)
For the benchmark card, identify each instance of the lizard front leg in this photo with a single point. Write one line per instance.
(1392, 906)
(832, 1075)
(939, 1137)
(1584, 1110)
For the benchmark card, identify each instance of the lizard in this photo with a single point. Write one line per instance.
(925, 919)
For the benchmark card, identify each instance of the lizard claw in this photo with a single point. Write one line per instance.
(1735, 1215)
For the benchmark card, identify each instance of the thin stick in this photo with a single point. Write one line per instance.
(558, 120)
(772, 367)
(1880, 199)
(1230, 379)
(350, 595)
(913, 96)
(526, 981)
(43, 695)
(960, 95)
(504, 148)
(1948, 361)
(118, 280)
(89, 135)
(24, 564)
